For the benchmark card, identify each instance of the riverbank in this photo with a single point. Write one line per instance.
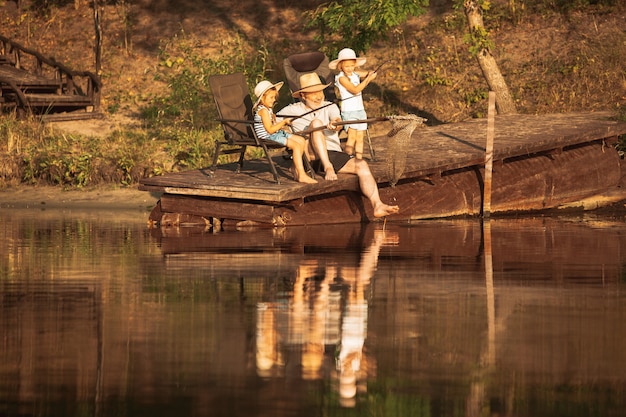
(102, 197)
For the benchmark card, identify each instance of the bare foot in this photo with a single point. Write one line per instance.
(306, 179)
(330, 174)
(383, 210)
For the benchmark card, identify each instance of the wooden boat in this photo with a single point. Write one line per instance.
(540, 162)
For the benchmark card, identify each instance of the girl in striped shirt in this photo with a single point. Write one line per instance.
(267, 128)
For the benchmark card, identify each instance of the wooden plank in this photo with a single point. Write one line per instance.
(217, 208)
(61, 100)
(72, 115)
(26, 79)
(253, 183)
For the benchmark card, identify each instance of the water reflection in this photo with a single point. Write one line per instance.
(326, 312)
(521, 317)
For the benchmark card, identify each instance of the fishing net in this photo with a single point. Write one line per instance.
(402, 128)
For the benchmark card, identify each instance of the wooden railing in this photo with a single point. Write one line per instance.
(71, 82)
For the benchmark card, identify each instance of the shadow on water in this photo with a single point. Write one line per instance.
(512, 316)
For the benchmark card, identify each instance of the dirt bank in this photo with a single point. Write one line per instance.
(106, 197)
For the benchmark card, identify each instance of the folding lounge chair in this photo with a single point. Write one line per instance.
(234, 107)
(298, 64)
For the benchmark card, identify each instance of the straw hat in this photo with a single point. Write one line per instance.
(262, 87)
(346, 54)
(310, 83)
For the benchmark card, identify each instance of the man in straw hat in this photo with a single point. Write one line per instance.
(324, 149)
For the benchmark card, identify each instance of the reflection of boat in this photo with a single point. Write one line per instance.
(433, 245)
(291, 240)
(539, 162)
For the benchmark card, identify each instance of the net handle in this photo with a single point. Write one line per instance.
(346, 122)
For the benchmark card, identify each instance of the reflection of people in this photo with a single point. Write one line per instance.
(351, 82)
(354, 324)
(268, 128)
(314, 320)
(324, 148)
(267, 351)
(309, 315)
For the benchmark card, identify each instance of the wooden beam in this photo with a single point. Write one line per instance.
(217, 208)
(489, 155)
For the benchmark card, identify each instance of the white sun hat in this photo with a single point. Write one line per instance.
(344, 54)
(262, 87)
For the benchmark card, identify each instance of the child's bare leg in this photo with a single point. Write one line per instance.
(318, 144)
(349, 149)
(296, 144)
(358, 145)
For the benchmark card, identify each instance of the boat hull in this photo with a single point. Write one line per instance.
(524, 184)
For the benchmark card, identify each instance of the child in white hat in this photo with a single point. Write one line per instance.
(267, 128)
(350, 82)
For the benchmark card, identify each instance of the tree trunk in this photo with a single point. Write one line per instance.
(98, 29)
(487, 63)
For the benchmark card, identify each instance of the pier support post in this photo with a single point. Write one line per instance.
(489, 155)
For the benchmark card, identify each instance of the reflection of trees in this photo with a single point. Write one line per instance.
(314, 318)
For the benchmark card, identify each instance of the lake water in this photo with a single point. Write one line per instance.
(102, 316)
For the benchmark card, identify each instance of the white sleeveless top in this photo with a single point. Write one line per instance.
(355, 103)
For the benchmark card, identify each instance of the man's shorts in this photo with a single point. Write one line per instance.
(337, 159)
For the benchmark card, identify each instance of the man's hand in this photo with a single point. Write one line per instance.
(333, 126)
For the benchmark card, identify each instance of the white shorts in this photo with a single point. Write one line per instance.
(354, 115)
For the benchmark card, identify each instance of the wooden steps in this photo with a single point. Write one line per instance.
(33, 84)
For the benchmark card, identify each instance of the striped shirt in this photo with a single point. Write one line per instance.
(261, 133)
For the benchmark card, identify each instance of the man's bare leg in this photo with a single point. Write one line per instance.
(369, 188)
(318, 142)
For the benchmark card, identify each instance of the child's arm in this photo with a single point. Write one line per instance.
(356, 89)
(269, 124)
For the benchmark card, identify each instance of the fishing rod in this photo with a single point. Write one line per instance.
(287, 116)
(346, 122)
(409, 117)
(335, 101)
(307, 113)
(380, 66)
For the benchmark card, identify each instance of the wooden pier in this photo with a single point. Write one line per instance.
(540, 162)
